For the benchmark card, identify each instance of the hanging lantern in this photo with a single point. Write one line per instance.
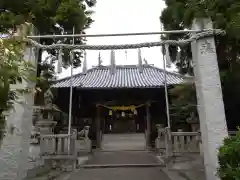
(123, 114)
(135, 112)
(110, 113)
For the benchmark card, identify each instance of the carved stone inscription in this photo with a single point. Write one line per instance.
(207, 47)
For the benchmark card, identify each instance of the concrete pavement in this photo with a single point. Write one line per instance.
(119, 174)
(125, 165)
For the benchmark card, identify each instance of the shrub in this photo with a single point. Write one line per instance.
(229, 158)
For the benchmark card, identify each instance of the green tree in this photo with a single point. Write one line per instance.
(49, 17)
(46, 14)
(183, 107)
(225, 15)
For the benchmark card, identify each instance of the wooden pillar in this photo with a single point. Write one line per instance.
(98, 127)
(148, 119)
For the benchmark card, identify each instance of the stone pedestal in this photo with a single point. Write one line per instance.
(209, 94)
(46, 126)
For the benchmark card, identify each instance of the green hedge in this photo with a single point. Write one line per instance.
(229, 158)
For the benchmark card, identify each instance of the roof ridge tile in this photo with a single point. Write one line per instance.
(126, 76)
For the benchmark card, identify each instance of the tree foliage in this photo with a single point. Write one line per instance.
(183, 108)
(45, 15)
(49, 17)
(225, 15)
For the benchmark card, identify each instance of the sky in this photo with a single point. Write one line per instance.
(124, 16)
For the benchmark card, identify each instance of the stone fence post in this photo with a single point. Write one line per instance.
(168, 143)
(160, 139)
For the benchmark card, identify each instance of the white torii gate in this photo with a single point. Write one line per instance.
(15, 147)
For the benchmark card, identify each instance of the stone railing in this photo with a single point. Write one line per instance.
(186, 142)
(56, 146)
(175, 143)
(181, 142)
(59, 149)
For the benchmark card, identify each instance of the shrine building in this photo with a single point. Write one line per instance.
(116, 98)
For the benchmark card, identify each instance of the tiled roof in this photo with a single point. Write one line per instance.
(127, 76)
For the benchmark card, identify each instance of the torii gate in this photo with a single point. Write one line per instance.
(209, 95)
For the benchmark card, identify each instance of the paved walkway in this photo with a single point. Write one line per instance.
(124, 158)
(120, 174)
(121, 162)
(126, 165)
(118, 142)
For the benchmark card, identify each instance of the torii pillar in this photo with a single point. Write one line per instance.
(14, 149)
(209, 96)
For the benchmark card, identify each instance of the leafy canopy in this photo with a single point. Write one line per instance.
(45, 14)
(225, 15)
(49, 17)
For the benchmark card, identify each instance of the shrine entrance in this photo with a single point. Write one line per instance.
(123, 128)
(123, 119)
(121, 125)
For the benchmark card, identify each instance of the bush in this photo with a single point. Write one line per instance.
(229, 158)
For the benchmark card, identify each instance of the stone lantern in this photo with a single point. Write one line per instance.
(45, 122)
(194, 122)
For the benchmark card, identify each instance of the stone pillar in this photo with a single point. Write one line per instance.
(148, 119)
(98, 128)
(160, 139)
(15, 145)
(168, 143)
(209, 95)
